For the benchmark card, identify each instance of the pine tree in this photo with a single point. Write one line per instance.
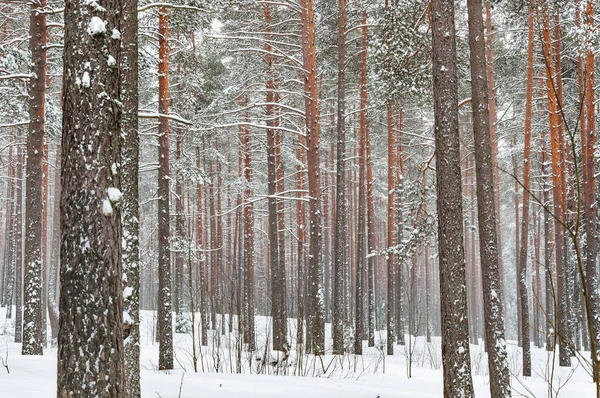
(91, 299)
(455, 326)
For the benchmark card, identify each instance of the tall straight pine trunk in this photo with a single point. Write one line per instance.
(91, 299)
(456, 362)
(165, 301)
(32, 314)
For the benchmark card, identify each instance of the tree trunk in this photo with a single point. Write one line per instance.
(522, 260)
(18, 247)
(315, 258)
(32, 311)
(130, 154)
(588, 139)
(165, 301)
(301, 220)
(556, 149)
(249, 333)
(278, 282)
(340, 261)
(455, 326)
(391, 229)
(493, 134)
(91, 299)
(55, 252)
(399, 178)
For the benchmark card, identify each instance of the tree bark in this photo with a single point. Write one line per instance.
(391, 229)
(315, 258)
(522, 261)
(55, 252)
(32, 311)
(165, 300)
(130, 155)
(455, 326)
(277, 266)
(91, 299)
(588, 139)
(559, 204)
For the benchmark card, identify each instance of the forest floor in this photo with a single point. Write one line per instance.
(370, 376)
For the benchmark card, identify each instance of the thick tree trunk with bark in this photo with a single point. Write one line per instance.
(455, 326)
(32, 311)
(91, 299)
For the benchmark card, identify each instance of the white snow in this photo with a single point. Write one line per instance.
(375, 375)
(97, 26)
(85, 79)
(111, 61)
(114, 194)
(116, 35)
(107, 209)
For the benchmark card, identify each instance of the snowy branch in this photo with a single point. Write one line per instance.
(178, 119)
(176, 6)
(15, 124)
(17, 76)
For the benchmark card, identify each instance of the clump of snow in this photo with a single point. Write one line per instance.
(111, 61)
(107, 209)
(96, 26)
(116, 35)
(127, 318)
(85, 79)
(114, 194)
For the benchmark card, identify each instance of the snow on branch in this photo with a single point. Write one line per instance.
(15, 124)
(176, 6)
(250, 124)
(17, 76)
(147, 115)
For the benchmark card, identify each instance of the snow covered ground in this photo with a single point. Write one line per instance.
(371, 376)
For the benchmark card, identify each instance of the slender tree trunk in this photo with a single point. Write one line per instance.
(18, 247)
(315, 258)
(455, 326)
(522, 261)
(180, 302)
(371, 255)
(391, 229)
(130, 148)
(9, 251)
(398, 221)
(301, 219)
(278, 296)
(588, 139)
(493, 134)
(55, 252)
(32, 311)
(560, 324)
(165, 301)
(249, 333)
(360, 240)
(91, 299)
